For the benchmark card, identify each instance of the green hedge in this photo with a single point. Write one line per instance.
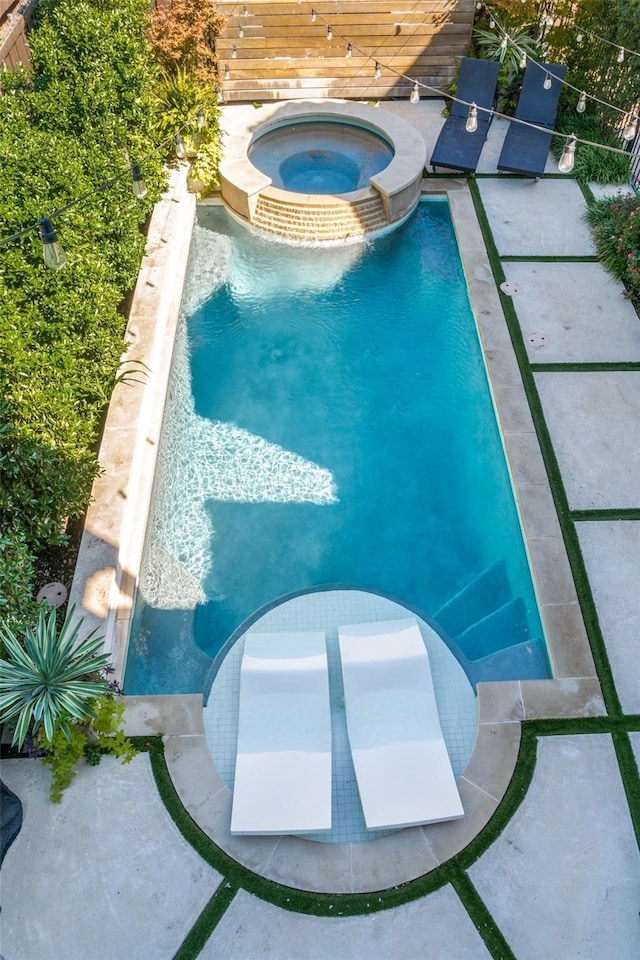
(78, 120)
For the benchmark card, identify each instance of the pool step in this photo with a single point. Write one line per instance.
(524, 661)
(506, 625)
(324, 220)
(477, 599)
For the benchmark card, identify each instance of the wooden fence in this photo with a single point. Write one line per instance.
(15, 19)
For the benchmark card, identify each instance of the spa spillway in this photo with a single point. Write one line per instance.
(322, 172)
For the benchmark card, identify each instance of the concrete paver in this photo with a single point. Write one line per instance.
(104, 875)
(530, 218)
(563, 878)
(611, 551)
(594, 422)
(436, 927)
(578, 309)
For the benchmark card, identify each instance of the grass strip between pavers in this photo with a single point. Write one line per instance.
(481, 917)
(624, 366)
(547, 258)
(576, 561)
(624, 513)
(206, 923)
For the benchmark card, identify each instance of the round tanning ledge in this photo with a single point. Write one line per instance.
(277, 179)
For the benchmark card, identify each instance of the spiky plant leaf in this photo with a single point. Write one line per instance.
(42, 685)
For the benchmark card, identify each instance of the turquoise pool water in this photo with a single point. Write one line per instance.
(329, 422)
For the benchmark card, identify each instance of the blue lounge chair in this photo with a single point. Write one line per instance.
(525, 149)
(456, 147)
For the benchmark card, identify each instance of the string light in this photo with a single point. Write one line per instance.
(547, 81)
(202, 121)
(218, 92)
(234, 51)
(314, 16)
(241, 31)
(180, 150)
(377, 74)
(414, 96)
(581, 105)
(620, 57)
(138, 185)
(227, 72)
(504, 42)
(349, 51)
(566, 161)
(523, 61)
(551, 76)
(631, 129)
(329, 32)
(594, 36)
(472, 119)
(52, 252)
(579, 38)
(245, 12)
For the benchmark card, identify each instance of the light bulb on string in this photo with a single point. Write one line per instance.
(414, 96)
(202, 120)
(227, 72)
(581, 105)
(52, 252)
(472, 119)
(579, 38)
(620, 57)
(523, 61)
(234, 52)
(547, 81)
(180, 150)
(314, 16)
(245, 12)
(492, 24)
(566, 161)
(631, 129)
(504, 42)
(138, 185)
(218, 92)
(349, 52)
(479, 5)
(378, 71)
(329, 32)
(241, 31)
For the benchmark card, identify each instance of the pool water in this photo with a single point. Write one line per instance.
(320, 156)
(329, 421)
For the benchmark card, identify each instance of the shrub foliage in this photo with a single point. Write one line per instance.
(76, 121)
(615, 223)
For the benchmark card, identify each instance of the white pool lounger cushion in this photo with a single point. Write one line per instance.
(402, 766)
(283, 762)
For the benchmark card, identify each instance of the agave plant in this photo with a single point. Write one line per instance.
(49, 679)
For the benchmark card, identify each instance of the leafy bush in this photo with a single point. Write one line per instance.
(616, 229)
(72, 124)
(183, 33)
(91, 741)
(592, 164)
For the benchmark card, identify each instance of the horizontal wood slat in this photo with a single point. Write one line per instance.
(281, 48)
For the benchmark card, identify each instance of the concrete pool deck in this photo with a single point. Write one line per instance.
(562, 876)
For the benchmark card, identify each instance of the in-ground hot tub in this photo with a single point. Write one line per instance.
(320, 156)
(320, 171)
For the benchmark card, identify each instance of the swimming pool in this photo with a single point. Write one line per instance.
(329, 422)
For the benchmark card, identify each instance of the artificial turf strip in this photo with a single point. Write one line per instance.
(206, 923)
(556, 485)
(624, 513)
(482, 919)
(630, 776)
(624, 366)
(537, 258)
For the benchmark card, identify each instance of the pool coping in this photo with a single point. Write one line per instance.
(107, 570)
